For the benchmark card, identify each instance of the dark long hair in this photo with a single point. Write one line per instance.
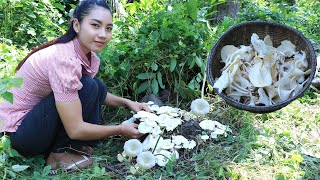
(83, 9)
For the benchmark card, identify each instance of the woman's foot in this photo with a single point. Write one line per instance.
(68, 161)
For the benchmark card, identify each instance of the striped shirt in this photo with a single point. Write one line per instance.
(58, 69)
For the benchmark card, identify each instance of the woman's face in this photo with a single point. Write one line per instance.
(95, 30)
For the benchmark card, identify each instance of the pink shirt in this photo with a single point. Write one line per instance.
(58, 69)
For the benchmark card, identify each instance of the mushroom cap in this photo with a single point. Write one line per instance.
(227, 51)
(146, 160)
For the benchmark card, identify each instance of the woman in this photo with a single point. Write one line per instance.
(57, 110)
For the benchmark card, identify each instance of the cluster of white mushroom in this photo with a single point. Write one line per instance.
(261, 74)
(155, 149)
(213, 128)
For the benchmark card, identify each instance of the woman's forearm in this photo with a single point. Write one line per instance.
(114, 100)
(88, 131)
(71, 117)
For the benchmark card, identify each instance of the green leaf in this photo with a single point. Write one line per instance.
(131, 29)
(154, 66)
(12, 174)
(198, 79)
(298, 158)
(32, 15)
(191, 63)
(193, 9)
(46, 170)
(3, 88)
(173, 64)
(59, 6)
(96, 170)
(31, 31)
(15, 82)
(46, 1)
(13, 153)
(155, 86)
(103, 171)
(73, 6)
(198, 61)
(221, 171)
(132, 7)
(145, 76)
(191, 85)
(8, 96)
(3, 158)
(159, 77)
(5, 143)
(144, 86)
(18, 168)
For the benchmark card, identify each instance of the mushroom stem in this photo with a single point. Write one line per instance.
(155, 147)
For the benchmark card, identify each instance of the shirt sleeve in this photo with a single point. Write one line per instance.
(64, 77)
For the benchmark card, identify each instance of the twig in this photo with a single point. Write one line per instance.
(110, 168)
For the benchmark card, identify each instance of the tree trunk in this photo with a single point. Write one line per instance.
(229, 8)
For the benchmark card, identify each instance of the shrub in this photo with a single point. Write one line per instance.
(158, 45)
(29, 23)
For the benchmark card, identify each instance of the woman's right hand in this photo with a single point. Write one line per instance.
(130, 131)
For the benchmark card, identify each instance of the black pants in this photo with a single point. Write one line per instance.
(42, 131)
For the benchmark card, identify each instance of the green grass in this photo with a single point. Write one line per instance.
(281, 145)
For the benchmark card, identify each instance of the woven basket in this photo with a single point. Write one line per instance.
(240, 35)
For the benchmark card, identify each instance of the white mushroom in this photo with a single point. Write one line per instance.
(227, 51)
(150, 122)
(154, 108)
(301, 60)
(178, 140)
(259, 73)
(200, 107)
(146, 160)
(189, 144)
(207, 124)
(285, 88)
(156, 131)
(263, 98)
(144, 128)
(132, 147)
(149, 142)
(222, 82)
(163, 157)
(204, 137)
(267, 40)
(258, 45)
(145, 114)
(165, 143)
(287, 48)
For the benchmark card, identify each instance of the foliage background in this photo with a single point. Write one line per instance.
(163, 44)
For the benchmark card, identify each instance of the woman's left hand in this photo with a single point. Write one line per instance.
(136, 106)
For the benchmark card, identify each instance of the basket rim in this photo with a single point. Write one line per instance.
(273, 107)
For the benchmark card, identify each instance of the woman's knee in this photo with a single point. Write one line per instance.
(101, 85)
(103, 89)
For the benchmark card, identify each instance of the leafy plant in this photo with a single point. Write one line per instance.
(158, 46)
(10, 56)
(302, 15)
(282, 144)
(29, 23)
(7, 152)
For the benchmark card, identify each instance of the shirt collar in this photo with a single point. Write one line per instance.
(81, 54)
(90, 68)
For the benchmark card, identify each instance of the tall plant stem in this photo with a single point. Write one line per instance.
(203, 84)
